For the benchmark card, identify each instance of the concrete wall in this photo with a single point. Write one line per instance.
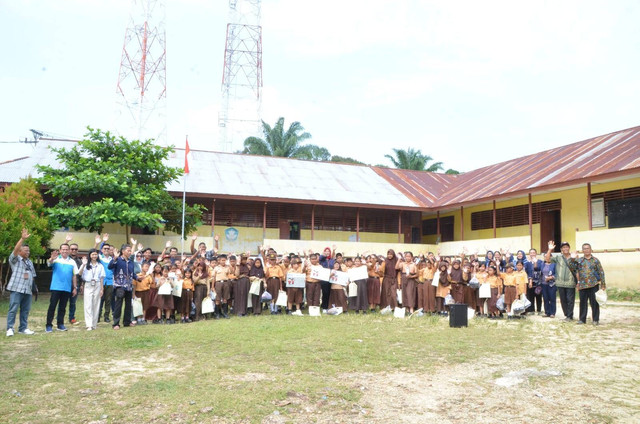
(347, 248)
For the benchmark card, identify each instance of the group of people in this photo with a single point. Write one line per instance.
(171, 287)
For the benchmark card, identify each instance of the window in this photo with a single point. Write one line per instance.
(513, 215)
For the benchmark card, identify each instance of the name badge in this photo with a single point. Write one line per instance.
(26, 275)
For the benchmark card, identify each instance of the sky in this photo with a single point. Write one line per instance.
(468, 83)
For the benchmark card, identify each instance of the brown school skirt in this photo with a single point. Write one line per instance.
(491, 304)
(294, 295)
(199, 293)
(185, 303)
(337, 298)
(164, 301)
(373, 290)
(389, 297)
(429, 295)
(274, 286)
(151, 311)
(241, 294)
(144, 297)
(360, 302)
(443, 291)
(409, 292)
(510, 294)
(457, 292)
(471, 297)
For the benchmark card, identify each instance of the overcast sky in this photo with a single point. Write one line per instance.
(469, 83)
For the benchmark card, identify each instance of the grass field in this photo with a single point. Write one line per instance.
(347, 368)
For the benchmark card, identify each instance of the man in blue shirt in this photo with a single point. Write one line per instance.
(63, 285)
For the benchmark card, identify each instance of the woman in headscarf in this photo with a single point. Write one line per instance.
(389, 275)
(201, 282)
(443, 289)
(488, 258)
(458, 279)
(256, 272)
(373, 282)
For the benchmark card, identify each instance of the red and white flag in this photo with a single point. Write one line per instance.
(186, 157)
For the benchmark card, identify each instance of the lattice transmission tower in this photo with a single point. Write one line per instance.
(241, 103)
(142, 81)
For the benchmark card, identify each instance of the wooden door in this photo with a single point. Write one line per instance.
(550, 229)
(283, 225)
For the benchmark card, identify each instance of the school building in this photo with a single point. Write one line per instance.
(587, 191)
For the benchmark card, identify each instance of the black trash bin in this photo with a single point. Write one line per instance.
(458, 315)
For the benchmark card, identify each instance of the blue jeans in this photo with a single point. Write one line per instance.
(24, 301)
(549, 296)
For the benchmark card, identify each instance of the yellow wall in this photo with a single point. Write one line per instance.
(621, 269)
(513, 244)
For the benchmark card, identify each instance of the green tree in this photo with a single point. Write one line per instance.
(286, 144)
(105, 179)
(414, 160)
(21, 206)
(346, 159)
(452, 172)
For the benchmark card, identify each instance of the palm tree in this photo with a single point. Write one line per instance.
(287, 144)
(414, 160)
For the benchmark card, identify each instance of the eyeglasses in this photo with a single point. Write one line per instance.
(74, 248)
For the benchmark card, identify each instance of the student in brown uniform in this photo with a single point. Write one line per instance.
(233, 278)
(257, 272)
(373, 282)
(187, 296)
(389, 273)
(496, 290)
(337, 298)
(312, 285)
(361, 301)
(151, 313)
(429, 290)
(241, 292)
(275, 276)
(165, 301)
(510, 287)
(458, 278)
(409, 272)
(142, 287)
(443, 289)
(221, 284)
(295, 294)
(202, 277)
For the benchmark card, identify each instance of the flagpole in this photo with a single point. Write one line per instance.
(184, 196)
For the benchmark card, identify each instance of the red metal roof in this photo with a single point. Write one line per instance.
(597, 158)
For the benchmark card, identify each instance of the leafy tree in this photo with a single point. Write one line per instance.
(21, 206)
(452, 172)
(414, 160)
(105, 178)
(286, 144)
(346, 159)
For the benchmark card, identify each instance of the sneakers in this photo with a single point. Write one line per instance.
(106, 319)
(10, 332)
(74, 321)
(27, 332)
(49, 329)
(297, 313)
(89, 328)
(61, 327)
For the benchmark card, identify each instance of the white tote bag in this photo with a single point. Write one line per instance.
(436, 279)
(165, 289)
(399, 312)
(485, 291)
(137, 307)
(282, 298)
(353, 290)
(207, 305)
(255, 287)
(314, 311)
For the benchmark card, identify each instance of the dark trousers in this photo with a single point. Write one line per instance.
(567, 300)
(59, 299)
(535, 299)
(107, 297)
(72, 305)
(589, 295)
(549, 295)
(117, 311)
(326, 291)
